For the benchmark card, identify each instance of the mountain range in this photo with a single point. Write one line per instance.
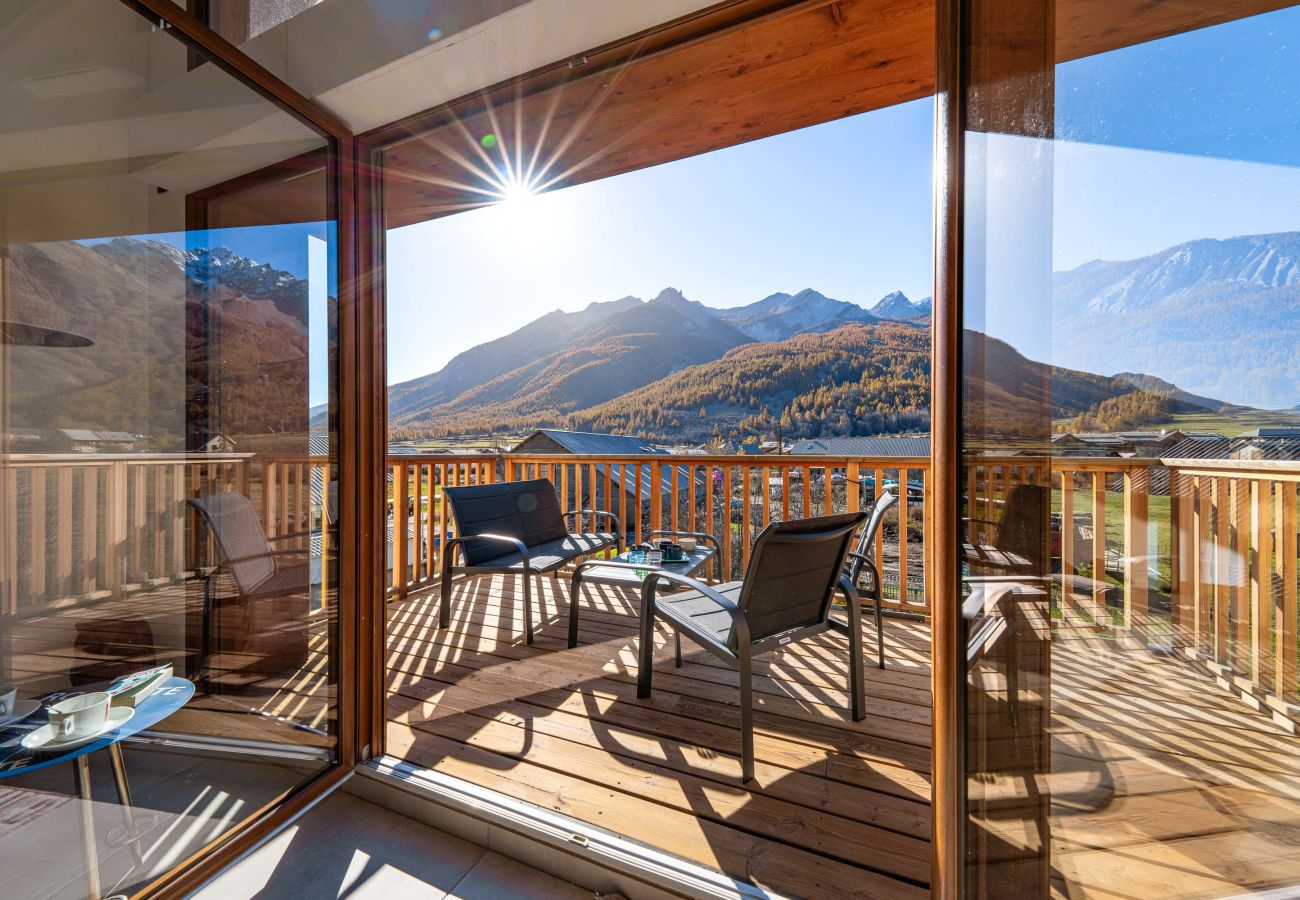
(1185, 323)
(564, 363)
(1218, 318)
(677, 370)
(155, 312)
(1195, 322)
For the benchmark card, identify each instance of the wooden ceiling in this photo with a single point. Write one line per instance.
(765, 72)
(782, 71)
(739, 72)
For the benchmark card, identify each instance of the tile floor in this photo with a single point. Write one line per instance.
(348, 847)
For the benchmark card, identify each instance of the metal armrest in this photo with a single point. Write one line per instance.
(737, 616)
(286, 537)
(870, 564)
(597, 512)
(698, 535)
(454, 544)
(850, 592)
(297, 551)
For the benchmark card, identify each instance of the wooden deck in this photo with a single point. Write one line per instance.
(101, 640)
(1161, 783)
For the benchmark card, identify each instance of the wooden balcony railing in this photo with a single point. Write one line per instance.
(1196, 555)
(90, 526)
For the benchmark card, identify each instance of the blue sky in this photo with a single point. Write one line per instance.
(1187, 137)
(843, 207)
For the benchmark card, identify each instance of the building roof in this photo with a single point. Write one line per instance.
(85, 434)
(863, 446)
(1271, 433)
(1219, 447)
(586, 443)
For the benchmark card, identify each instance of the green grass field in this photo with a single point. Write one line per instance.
(1226, 424)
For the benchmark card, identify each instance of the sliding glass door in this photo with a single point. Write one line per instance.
(1130, 449)
(168, 458)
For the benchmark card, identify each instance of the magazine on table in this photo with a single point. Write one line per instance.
(131, 690)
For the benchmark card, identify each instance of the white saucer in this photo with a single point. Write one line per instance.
(22, 709)
(43, 738)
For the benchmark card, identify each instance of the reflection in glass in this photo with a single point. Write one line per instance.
(166, 292)
(1132, 449)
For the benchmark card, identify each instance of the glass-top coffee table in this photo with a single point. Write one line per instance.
(619, 572)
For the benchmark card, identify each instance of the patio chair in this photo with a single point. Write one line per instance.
(793, 574)
(515, 528)
(274, 587)
(1017, 544)
(860, 561)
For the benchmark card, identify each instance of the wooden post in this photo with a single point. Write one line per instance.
(400, 522)
(1222, 568)
(691, 517)
(1241, 576)
(746, 474)
(726, 523)
(1259, 570)
(8, 540)
(418, 562)
(902, 535)
(36, 589)
(785, 493)
(1067, 538)
(880, 534)
(1099, 590)
(1200, 522)
(1135, 549)
(1177, 577)
(1285, 563)
(806, 511)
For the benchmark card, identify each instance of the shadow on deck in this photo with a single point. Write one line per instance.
(1159, 782)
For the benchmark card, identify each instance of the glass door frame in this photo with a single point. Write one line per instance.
(360, 454)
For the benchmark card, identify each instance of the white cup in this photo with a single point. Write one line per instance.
(8, 694)
(84, 714)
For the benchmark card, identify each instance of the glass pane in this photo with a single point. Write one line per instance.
(705, 343)
(167, 270)
(1131, 442)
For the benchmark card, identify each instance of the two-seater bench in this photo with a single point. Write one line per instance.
(515, 528)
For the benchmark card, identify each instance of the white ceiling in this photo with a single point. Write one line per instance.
(95, 103)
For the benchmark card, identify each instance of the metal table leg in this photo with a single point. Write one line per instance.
(81, 767)
(124, 798)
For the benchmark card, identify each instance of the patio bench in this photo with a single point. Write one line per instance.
(515, 528)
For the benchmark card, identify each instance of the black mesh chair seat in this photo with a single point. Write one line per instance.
(514, 528)
(266, 619)
(287, 578)
(794, 572)
(701, 613)
(550, 555)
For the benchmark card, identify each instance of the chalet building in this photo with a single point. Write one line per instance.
(633, 481)
(862, 446)
(1146, 444)
(83, 440)
(1255, 444)
(217, 443)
